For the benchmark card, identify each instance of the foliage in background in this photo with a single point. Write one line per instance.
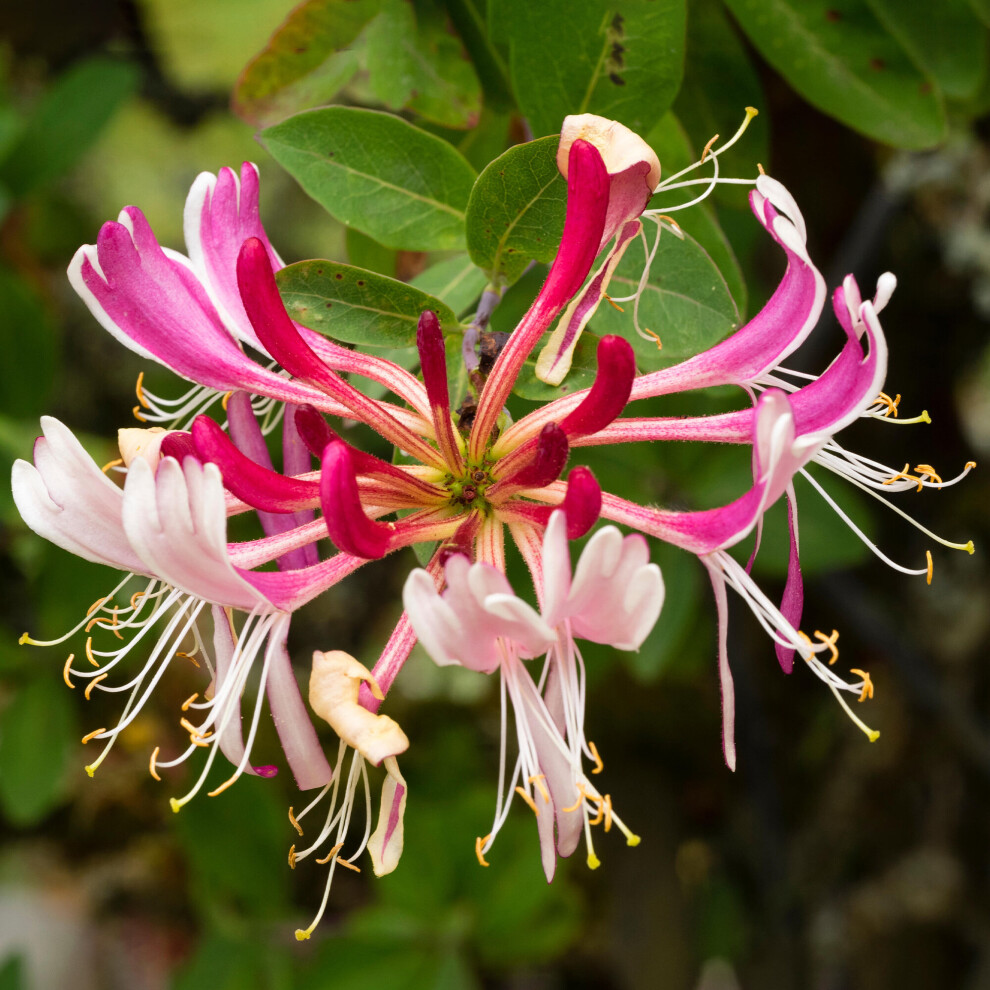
(427, 156)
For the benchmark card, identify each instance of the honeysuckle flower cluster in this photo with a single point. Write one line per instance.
(472, 486)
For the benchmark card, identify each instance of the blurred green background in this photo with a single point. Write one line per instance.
(823, 862)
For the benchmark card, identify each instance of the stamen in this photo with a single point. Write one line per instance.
(830, 641)
(333, 852)
(478, 845)
(92, 684)
(292, 856)
(92, 735)
(907, 477)
(137, 414)
(528, 800)
(348, 864)
(872, 734)
(537, 781)
(708, 147)
(890, 403)
(613, 303)
(151, 763)
(867, 691)
(187, 656)
(89, 652)
(99, 601)
(295, 824)
(139, 390)
(931, 566)
(225, 400)
(66, 669)
(607, 811)
(599, 765)
(600, 815)
(189, 701)
(112, 464)
(760, 168)
(929, 471)
(655, 336)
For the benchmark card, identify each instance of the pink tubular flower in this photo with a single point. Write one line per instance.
(614, 597)
(464, 487)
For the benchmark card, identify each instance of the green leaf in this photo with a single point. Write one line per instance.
(468, 18)
(12, 976)
(516, 210)
(952, 47)
(454, 280)
(405, 188)
(36, 740)
(670, 143)
(623, 60)
(839, 57)
(415, 63)
(305, 62)
(356, 306)
(982, 10)
(66, 122)
(365, 252)
(221, 964)
(29, 343)
(686, 301)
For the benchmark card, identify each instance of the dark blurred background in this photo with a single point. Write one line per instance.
(823, 862)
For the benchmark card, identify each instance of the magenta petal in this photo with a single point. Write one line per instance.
(582, 504)
(260, 487)
(792, 602)
(296, 460)
(349, 528)
(549, 457)
(610, 391)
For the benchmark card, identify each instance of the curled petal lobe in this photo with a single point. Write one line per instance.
(610, 391)
(348, 525)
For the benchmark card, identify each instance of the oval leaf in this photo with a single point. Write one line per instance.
(623, 61)
(838, 56)
(405, 188)
(356, 306)
(305, 61)
(457, 281)
(516, 210)
(686, 302)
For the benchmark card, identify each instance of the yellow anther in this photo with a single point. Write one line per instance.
(528, 800)
(219, 790)
(613, 303)
(830, 641)
(708, 148)
(89, 652)
(478, 846)
(137, 414)
(867, 690)
(577, 804)
(223, 402)
(904, 474)
(593, 861)
(599, 816)
(970, 465)
(139, 391)
(187, 656)
(92, 735)
(134, 598)
(760, 167)
(333, 852)
(189, 701)
(152, 769)
(670, 220)
(67, 668)
(348, 864)
(928, 471)
(112, 464)
(931, 566)
(890, 403)
(292, 857)
(537, 781)
(99, 601)
(655, 336)
(599, 766)
(607, 811)
(295, 824)
(92, 684)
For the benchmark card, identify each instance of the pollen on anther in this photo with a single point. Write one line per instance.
(528, 800)
(92, 684)
(478, 846)
(599, 765)
(137, 414)
(92, 735)
(867, 690)
(330, 855)
(537, 781)
(347, 863)
(116, 462)
(928, 471)
(760, 167)
(931, 566)
(66, 669)
(292, 857)
(613, 304)
(189, 701)
(830, 642)
(295, 824)
(655, 336)
(225, 400)
(139, 390)
(89, 652)
(708, 147)
(152, 769)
